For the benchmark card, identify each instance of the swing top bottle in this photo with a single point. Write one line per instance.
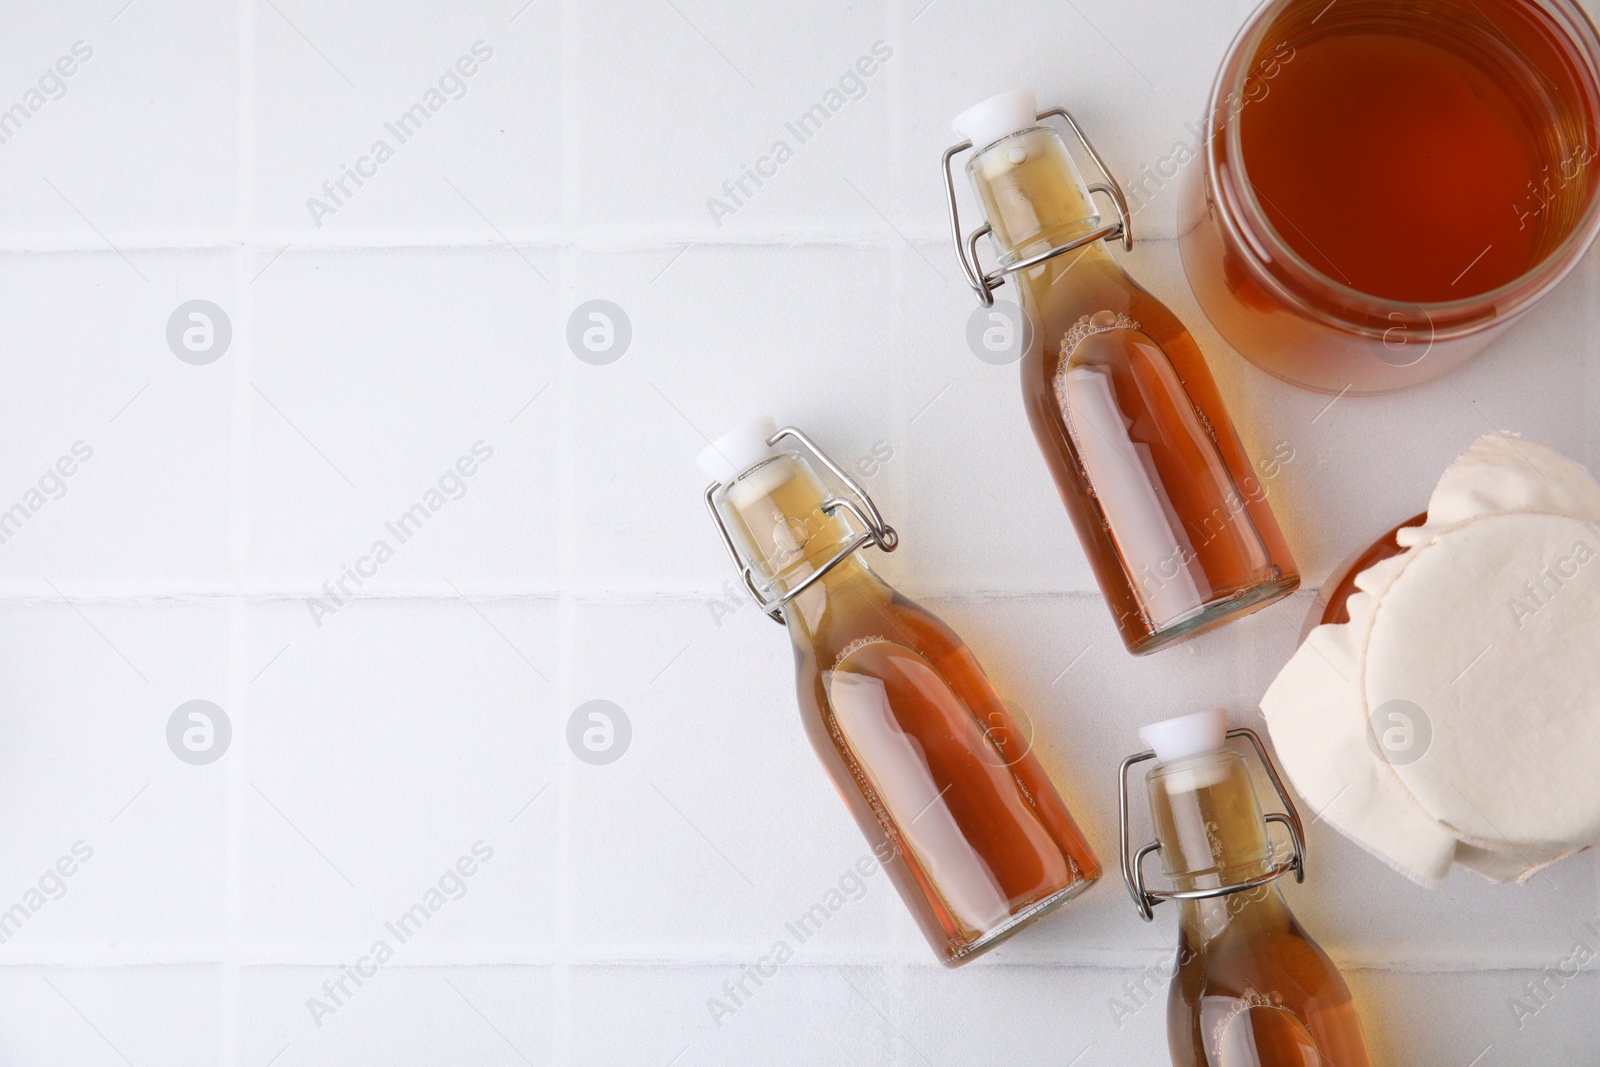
(1170, 511)
(940, 779)
(1249, 985)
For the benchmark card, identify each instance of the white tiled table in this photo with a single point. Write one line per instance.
(375, 744)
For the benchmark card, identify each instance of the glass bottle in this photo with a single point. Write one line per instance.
(1171, 514)
(919, 745)
(1250, 987)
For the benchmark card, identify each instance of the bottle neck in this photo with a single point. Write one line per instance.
(1208, 821)
(775, 513)
(1032, 194)
(1212, 835)
(1261, 909)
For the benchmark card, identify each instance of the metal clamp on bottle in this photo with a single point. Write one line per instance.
(984, 284)
(1133, 863)
(874, 530)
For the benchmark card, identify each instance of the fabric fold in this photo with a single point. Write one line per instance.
(1455, 719)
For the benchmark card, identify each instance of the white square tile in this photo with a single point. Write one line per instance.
(1133, 90)
(693, 157)
(115, 842)
(720, 336)
(140, 141)
(398, 739)
(799, 1015)
(1470, 1016)
(448, 119)
(400, 1014)
(106, 1015)
(717, 825)
(992, 1012)
(407, 398)
(118, 451)
(980, 510)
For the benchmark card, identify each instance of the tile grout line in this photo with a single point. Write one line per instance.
(337, 954)
(643, 239)
(598, 594)
(1589, 274)
(229, 1032)
(561, 1015)
(896, 28)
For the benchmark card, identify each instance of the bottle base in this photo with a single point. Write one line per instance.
(1020, 921)
(1215, 614)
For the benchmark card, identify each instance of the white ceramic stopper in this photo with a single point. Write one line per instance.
(739, 449)
(1187, 735)
(985, 123)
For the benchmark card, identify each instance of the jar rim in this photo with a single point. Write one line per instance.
(1248, 227)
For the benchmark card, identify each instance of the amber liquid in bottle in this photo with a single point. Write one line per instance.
(913, 735)
(1173, 516)
(1251, 989)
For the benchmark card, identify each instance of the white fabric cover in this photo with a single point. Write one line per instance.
(1488, 626)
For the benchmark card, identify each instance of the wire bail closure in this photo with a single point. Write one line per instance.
(1133, 864)
(967, 248)
(875, 531)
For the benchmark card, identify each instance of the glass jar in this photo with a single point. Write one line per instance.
(1332, 606)
(1295, 321)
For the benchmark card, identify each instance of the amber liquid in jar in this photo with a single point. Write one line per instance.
(1172, 515)
(1408, 165)
(1251, 989)
(1383, 186)
(1332, 606)
(921, 748)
